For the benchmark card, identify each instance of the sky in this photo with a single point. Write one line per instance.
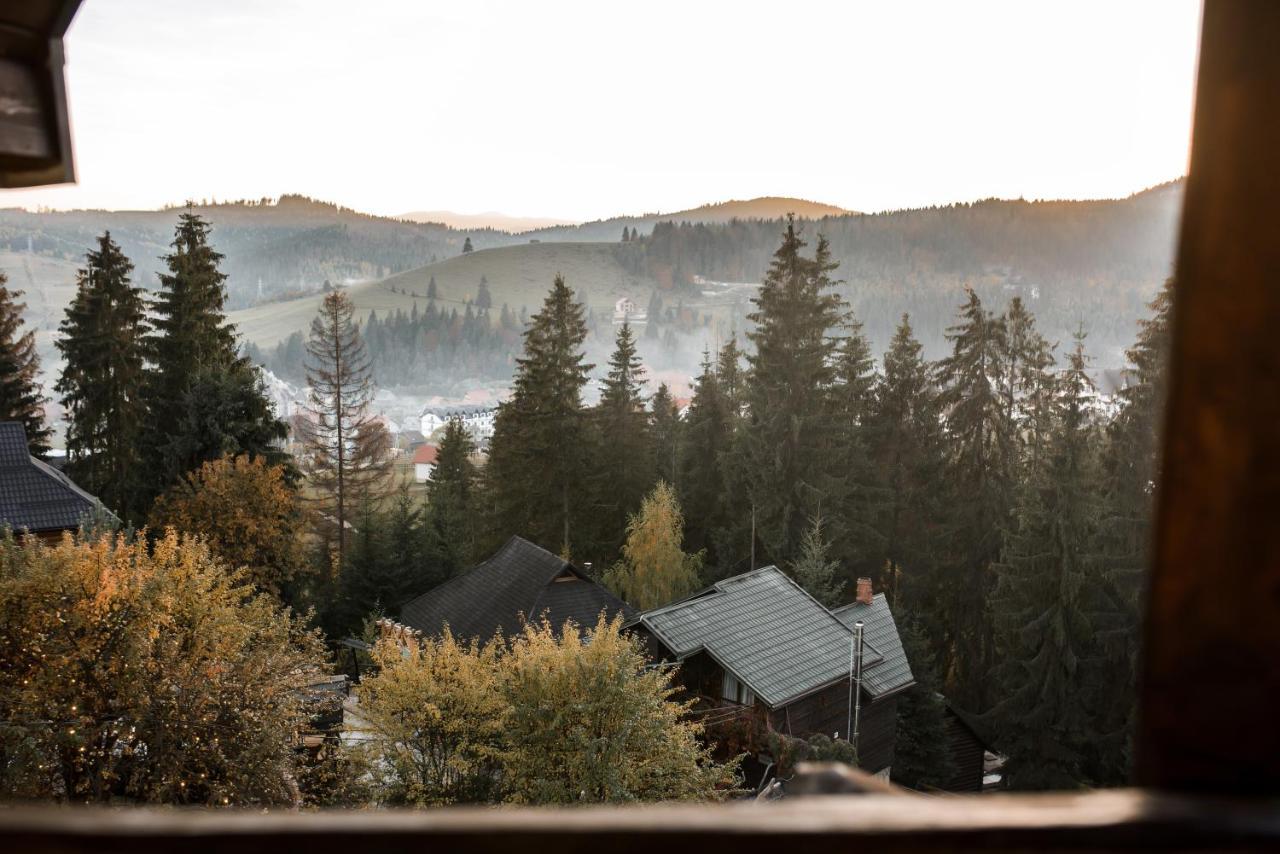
(585, 110)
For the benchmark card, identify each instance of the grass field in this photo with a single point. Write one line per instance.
(518, 275)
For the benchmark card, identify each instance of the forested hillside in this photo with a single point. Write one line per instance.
(272, 248)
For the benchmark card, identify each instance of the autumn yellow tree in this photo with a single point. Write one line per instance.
(589, 722)
(146, 673)
(654, 569)
(247, 512)
(436, 713)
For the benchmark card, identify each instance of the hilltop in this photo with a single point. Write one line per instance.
(765, 208)
(487, 220)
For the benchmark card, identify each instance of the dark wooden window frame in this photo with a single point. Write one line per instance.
(1208, 746)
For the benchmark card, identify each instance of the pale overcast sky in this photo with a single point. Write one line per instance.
(583, 110)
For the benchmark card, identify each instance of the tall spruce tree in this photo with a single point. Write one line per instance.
(921, 759)
(451, 502)
(537, 467)
(905, 443)
(729, 373)
(204, 398)
(664, 428)
(708, 435)
(784, 450)
(1028, 383)
(1044, 601)
(624, 468)
(347, 451)
(191, 329)
(1130, 472)
(20, 396)
(103, 381)
(852, 396)
(982, 465)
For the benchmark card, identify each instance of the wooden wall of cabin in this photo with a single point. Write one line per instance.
(967, 755)
(827, 712)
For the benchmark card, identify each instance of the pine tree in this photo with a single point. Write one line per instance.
(624, 467)
(981, 469)
(1044, 599)
(626, 235)
(905, 444)
(433, 292)
(191, 330)
(785, 448)
(665, 429)
(708, 434)
(729, 373)
(103, 382)
(537, 468)
(347, 456)
(851, 399)
(194, 355)
(1130, 471)
(451, 500)
(1028, 383)
(920, 756)
(484, 299)
(466, 246)
(814, 570)
(20, 396)
(387, 564)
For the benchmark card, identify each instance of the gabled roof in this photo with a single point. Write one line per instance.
(426, 454)
(880, 631)
(34, 496)
(766, 630)
(520, 581)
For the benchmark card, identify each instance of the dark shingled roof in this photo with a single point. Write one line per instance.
(520, 581)
(34, 496)
(772, 635)
(880, 631)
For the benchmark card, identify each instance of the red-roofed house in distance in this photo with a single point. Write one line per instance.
(424, 462)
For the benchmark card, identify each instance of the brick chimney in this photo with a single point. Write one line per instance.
(864, 591)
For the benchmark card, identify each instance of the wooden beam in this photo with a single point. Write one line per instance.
(881, 823)
(1209, 716)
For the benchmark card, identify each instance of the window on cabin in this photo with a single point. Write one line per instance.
(736, 691)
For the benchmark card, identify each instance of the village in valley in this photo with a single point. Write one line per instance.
(550, 601)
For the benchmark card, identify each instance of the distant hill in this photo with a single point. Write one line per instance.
(272, 248)
(490, 219)
(765, 208)
(518, 275)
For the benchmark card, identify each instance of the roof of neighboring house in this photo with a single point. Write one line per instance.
(521, 581)
(426, 454)
(879, 631)
(34, 496)
(767, 631)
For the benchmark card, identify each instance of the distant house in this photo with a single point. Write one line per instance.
(625, 311)
(759, 643)
(478, 420)
(424, 462)
(35, 497)
(520, 582)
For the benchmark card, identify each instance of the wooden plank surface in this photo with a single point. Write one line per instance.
(1210, 696)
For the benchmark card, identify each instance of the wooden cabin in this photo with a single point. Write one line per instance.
(36, 498)
(758, 647)
(520, 582)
